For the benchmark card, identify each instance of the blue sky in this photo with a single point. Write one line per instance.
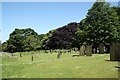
(41, 16)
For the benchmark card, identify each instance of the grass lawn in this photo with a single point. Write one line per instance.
(45, 65)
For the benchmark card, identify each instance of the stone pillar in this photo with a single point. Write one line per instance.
(101, 48)
(82, 50)
(88, 50)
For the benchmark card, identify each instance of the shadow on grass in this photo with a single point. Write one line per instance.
(111, 61)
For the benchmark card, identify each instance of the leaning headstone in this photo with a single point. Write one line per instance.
(82, 50)
(88, 50)
(101, 48)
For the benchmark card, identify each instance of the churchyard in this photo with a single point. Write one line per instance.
(48, 64)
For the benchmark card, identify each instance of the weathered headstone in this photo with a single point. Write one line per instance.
(58, 55)
(115, 52)
(112, 52)
(82, 50)
(88, 50)
(101, 48)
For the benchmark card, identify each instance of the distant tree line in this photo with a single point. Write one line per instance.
(101, 25)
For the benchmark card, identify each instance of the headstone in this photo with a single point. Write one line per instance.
(101, 48)
(58, 55)
(32, 58)
(20, 55)
(112, 52)
(115, 52)
(88, 50)
(50, 51)
(119, 52)
(82, 50)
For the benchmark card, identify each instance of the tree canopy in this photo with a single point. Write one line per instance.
(100, 25)
(22, 40)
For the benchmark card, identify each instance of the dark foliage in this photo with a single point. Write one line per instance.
(63, 37)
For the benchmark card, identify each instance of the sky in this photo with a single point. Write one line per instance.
(41, 16)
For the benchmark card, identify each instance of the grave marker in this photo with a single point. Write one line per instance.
(58, 55)
(82, 50)
(115, 52)
(32, 58)
(88, 50)
(101, 48)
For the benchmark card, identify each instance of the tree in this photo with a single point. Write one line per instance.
(100, 25)
(117, 9)
(63, 37)
(21, 39)
(31, 43)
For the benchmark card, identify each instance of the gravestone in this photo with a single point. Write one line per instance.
(20, 55)
(60, 52)
(82, 50)
(88, 50)
(50, 51)
(115, 52)
(101, 48)
(119, 52)
(58, 55)
(112, 53)
(32, 58)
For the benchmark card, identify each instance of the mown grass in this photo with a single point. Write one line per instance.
(46, 65)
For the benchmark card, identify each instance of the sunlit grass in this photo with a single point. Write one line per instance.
(46, 65)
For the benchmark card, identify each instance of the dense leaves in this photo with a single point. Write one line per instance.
(22, 40)
(62, 38)
(101, 25)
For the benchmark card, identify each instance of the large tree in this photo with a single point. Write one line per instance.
(22, 40)
(100, 25)
(63, 37)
